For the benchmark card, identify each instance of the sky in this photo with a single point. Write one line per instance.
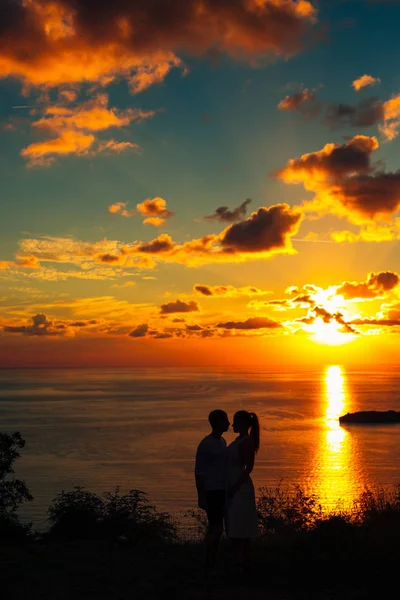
(199, 182)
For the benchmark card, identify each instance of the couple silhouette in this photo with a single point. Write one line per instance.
(224, 486)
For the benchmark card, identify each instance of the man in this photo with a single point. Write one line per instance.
(210, 473)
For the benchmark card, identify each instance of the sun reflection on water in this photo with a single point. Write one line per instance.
(335, 471)
(336, 401)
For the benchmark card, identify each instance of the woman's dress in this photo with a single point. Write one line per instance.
(241, 513)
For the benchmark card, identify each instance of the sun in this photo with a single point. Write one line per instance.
(329, 333)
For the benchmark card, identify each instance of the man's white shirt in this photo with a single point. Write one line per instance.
(210, 463)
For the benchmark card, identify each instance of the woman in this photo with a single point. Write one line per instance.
(241, 514)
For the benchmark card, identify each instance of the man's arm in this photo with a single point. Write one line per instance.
(199, 476)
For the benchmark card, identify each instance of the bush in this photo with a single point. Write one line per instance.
(131, 515)
(76, 515)
(378, 504)
(12, 530)
(280, 510)
(197, 526)
(81, 514)
(13, 492)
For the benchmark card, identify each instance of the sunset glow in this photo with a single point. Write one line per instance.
(199, 185)
(330, 333)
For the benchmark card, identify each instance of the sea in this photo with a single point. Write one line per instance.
(138, 428)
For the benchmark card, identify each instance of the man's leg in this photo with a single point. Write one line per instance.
(215, 515)
(212, 540)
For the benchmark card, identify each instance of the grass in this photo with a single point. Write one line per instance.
(302, 554)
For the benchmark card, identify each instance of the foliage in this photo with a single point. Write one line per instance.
(379, 509)
(76, 514)
(197, 525)
(81, 514)
(13, 492)
(12, 530)
(133, 516)
(282, 510)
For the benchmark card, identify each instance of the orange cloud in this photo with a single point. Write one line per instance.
(391, 112)
(120, 208)
(156, 221)
(67, 42)
(155, 211)
(75, 126)
(376, 285)
(116, 207)
(266, 232)
(69, 142)
(375, 232)
(303, 101)
(364, 81)
(113, 146)
(345, 182)
(27, 262)
(68, 95)
(93, 115)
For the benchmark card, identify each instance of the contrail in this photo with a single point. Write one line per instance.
(23, 106)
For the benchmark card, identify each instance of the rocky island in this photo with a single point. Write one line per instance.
(371, 416)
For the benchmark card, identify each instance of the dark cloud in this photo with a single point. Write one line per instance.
(163, 335)
(40, 326)
(342, 176)
(109, 258)
(372, 195)
(379, 322)
(334, 160)
(83, 323)
(366, 113)
(205, 290)
(303, 299)
(279, 303)
(228, 290)
(251, 323)
(194, 328)
(139, 331)
(303, 101)
(162, 243)
(70, 41)
(377, 284)
(266, 229)
(230, 216)
(327, 317)
(179, 306)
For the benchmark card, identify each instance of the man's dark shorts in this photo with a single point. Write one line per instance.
(215, 502)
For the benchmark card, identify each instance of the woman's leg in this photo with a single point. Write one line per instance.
(246, 554)
(241, 549)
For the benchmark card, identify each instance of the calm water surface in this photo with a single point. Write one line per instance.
(139, 428)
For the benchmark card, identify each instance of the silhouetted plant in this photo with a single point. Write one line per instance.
(378, 506)
(81, 514)
(76, 514)
(13, 492)
(280, 510)
(133, 516)
(199, 527)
